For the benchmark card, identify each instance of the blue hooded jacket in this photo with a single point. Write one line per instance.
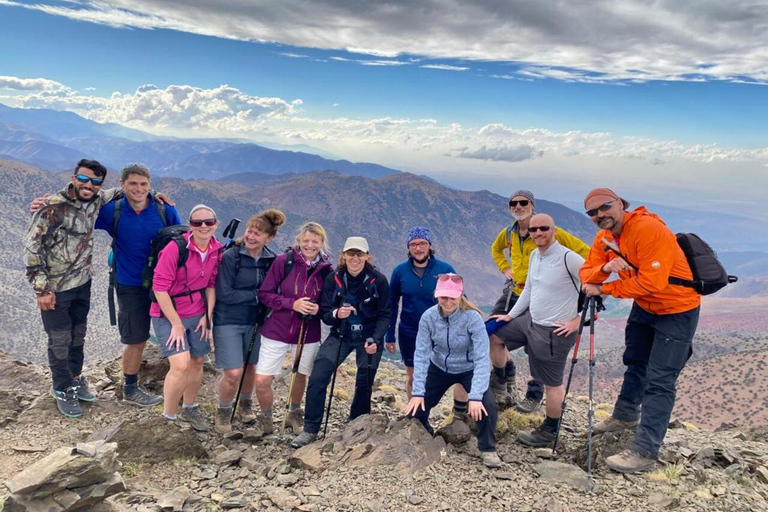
(418, 294)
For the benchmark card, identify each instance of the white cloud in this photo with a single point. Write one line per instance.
(502, 153)
(445, 67)
(30, 84)
(596, 41)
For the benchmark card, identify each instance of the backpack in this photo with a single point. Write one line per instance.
(709, 275)
(162, 212)
(163, 237)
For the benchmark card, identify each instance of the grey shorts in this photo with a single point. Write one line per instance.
(192, 342)
(547, 352)
(232, 343)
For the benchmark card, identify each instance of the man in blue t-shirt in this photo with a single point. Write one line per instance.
(132, 222)
(414, 282)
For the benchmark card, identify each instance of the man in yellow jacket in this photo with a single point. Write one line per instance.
(516, 241)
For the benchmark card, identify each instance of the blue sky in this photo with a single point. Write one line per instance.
(666, 102)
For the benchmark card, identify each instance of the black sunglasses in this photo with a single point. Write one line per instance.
(82, 178)
(198, 223)
(603, 208)
(543, 229)
(523, 202)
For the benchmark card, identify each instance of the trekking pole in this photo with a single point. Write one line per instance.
(574, 360)
(245, 365)
(294, 370)
(370, 375)
(590, 414)
(510, 287)
(342, 326)
(229, 232)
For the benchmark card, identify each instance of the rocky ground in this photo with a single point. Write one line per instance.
(376, 463)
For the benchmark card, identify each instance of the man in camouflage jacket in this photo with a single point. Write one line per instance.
(58, 251)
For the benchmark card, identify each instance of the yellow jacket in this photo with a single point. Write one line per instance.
(520, 250)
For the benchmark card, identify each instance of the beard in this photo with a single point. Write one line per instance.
(522, 216)
(84, 199)
(420, 261)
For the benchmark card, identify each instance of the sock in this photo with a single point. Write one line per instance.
(267, 413)
(169, 417)
(500, 372)
(130, 382)
(246, 397)
(225, 405)
(189, 406)
(293, 407)
(460, 407)
(551, 423)
(510, 370)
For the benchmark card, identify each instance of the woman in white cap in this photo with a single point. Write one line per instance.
(452, 347)
(355, 303)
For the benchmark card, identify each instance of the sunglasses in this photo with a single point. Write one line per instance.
(543, 229)
(355, 254)
(603, 208)
(82, 178)
(523, 202)
(199, 223)
(452, 277)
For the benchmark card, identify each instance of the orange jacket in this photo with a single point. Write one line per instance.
(648, 244)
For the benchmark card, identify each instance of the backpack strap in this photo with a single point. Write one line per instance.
(162, 211)
(509, 238)
(286, 270)
(567, 271)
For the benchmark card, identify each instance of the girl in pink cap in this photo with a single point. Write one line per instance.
(452, 347)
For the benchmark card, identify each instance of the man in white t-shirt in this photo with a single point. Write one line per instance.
(545, 321)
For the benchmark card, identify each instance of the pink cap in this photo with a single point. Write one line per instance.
(449, 285)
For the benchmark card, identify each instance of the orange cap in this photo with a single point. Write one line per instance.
(604, 195)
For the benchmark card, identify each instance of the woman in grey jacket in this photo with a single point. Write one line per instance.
(452, 347)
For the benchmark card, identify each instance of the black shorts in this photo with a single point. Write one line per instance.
(133, 314)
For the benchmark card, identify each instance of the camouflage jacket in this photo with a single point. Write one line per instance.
(58, 247)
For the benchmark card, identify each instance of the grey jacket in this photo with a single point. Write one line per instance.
(455, 344)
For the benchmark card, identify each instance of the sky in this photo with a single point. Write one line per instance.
(664, 101)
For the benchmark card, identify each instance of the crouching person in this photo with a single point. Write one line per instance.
(452, 348)
(355, 303)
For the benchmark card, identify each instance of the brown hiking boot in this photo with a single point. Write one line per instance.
(222, 420)
(295, 420)
(629, 461)
(499, 388)
(266, 424)
(613, 425)
(491, 460)
(245, 411)
(512, 396)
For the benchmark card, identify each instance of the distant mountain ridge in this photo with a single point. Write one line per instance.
(54, 141)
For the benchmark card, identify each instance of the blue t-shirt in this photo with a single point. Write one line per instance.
(135, 232)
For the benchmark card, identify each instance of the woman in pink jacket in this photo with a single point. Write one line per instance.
(181, 316)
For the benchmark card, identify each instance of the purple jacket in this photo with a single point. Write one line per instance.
(283, 323)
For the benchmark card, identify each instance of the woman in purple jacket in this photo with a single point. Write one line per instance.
(293, 298)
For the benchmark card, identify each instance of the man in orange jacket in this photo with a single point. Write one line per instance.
(643, 251)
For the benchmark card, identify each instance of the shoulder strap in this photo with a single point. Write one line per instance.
(286, 270)
(509, 237)
(116, 217)
(162, 211)
(183, 251)
(567, 271)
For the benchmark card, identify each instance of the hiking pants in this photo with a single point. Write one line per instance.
(322, 372)
(656, 350)
(65, 326)
(438, 383)
(535, 390)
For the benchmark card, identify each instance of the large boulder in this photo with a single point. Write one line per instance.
(67, 480)
(403, 446)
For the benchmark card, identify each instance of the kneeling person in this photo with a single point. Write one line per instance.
(545, 320)
(452, 348)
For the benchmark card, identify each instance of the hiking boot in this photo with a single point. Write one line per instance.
(613, 425)
(222, 422)
(141, 397)
(528, 405)
(67, 402)
(491, 460)
(194, 417)
(629, 461)
(245, 411)
(499, 388)
(539, 437)
(303, 439)
(295, 420)
(266, 424)
(81, 390)
(511, 390)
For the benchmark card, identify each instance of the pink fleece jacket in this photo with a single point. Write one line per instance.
(196, 274)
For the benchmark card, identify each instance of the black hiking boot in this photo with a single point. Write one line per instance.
(141, 397)
(539, 437)
(82, 391)
(67, 403)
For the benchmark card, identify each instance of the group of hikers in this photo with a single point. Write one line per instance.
(257, 305)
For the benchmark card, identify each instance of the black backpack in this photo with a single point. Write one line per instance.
(163, 237)
(709, 275)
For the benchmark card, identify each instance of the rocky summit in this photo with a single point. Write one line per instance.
(119, 457)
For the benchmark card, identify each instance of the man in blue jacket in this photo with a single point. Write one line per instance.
(414, 282)
(132, 222)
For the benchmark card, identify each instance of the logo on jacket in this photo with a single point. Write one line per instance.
(655, 264)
